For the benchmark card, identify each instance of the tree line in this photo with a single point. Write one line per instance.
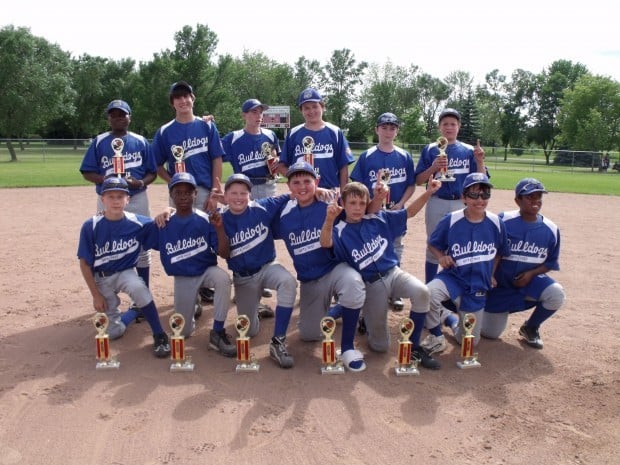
(48, 93)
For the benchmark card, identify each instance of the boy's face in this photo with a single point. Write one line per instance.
(237, 197)
(253, 118)
(386, 132)
(183, 196)
(449, 128)
(183, 104)
(118, 120)
(312, 112)
(479, 204)
(114, 202)
(303, 188)
(355, 208)
(530, 205)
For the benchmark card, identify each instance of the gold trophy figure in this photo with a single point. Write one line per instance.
(331, 366)
(178, 153)
(118, 160)
(308, 143)
(104, 360)
(406, 367)
(444, 174)
(385, 176)
(180, 361)
(272, 161)
(244, 357)
(467, 343)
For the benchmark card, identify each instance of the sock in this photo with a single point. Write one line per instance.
(335, 311)
(129, 316)
(436, 331)
(144, 273)
(283, 318)
(418, 322)
(430, 270)
(151, 315)
(451, 320)
(350, 317)
(539, 315)
(218, 326)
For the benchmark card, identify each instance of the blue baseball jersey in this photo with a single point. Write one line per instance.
(330, 152)
(139, 159)
(244, 151)
(201, 144)
(473, 247)
(399, 163)
(461, 162)
(112, 246)
(368, 246)
(187, 244)
(250, 234)
(300, 229)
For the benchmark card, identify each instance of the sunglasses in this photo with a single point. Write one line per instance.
(532, 186)
(478, 195)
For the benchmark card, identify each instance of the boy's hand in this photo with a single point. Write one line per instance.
(326, 195)
(433, 185)
(478, 152)
(217, 195)
(216, 218)
(99, 303)
(161, 219)
(333, 210)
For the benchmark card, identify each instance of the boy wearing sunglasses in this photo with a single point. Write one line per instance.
(468, 244)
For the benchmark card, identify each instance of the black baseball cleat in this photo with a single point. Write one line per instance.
(425, 359)
(531, 335)
(206, 294)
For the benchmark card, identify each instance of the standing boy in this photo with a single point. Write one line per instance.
(319, 143)
(140, 168)
(366, 243)
(188, 246)
(522, 280)
(468, 245)
(321, 276)
(393, 164)
(108, 251)
(462, 159)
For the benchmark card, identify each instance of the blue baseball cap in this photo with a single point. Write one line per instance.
(179, 178)
(528, 186)
(114, 184)
(118, 105)
(476, 178)
(238, 177)
(450, 112)
(301, 167)
(309, 95)
(388, 118)
(252, 103)
(180, 87)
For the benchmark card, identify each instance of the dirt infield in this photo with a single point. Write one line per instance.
(560, 405)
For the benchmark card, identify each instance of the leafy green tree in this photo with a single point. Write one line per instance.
(469, 131)
(413, 129)
(35, 82)
(343, 76)
(433, 93)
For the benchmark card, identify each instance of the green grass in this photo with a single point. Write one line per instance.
(45, 166)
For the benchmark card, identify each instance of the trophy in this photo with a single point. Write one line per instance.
(444, 174)
(406, 367)
(104, 361)
(331, 366)
(118, 160)
(180, 362)
(308, 143)
(272, 161)
(178, 153)
(244, 357)
(385, 176)
(467, 343)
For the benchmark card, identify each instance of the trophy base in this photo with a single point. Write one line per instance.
(335, 369)
(108, 365)
(248, 367)
(471, 363)
(446, 178)
(406, 370)
(183, 365)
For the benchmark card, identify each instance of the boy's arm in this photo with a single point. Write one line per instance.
(223, 243)
(343, 176)
(87, 272)
(479, 157)
(216, 175)
(444, 260)
(379, 194)
(417, 204)
(523, 279)
(333, 210)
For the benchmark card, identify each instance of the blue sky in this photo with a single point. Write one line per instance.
(439, 37)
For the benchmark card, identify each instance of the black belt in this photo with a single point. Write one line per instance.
(449, 197)
(105, 274)
(245, 274)
(376, 277)
(259, 181)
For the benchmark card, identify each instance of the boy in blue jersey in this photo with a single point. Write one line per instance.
(320, 275)
(365, 242)
(468, 245)
(462, 159)
(252, 260)
(522, 281)
(393, 164)
(188, 246)
(317, 142)
(108, 250)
